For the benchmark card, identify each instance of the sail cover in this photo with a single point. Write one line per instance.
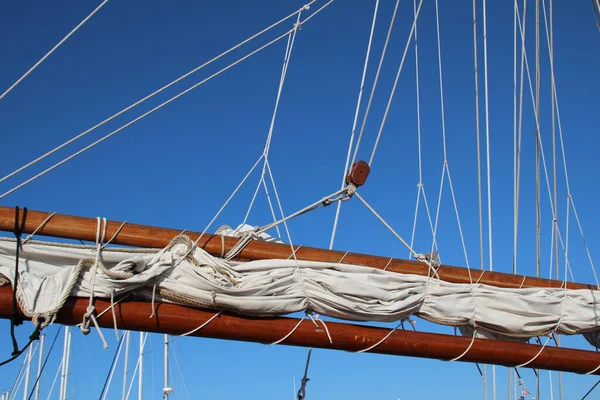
(185, 274)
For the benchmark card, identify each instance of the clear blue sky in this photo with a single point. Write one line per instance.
(177, 167)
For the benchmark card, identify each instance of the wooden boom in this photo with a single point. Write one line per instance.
(80, 228)
(176, 320)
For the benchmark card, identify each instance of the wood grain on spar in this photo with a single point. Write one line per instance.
(176, 320)
(81, 228)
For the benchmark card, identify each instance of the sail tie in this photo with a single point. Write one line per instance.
(15, 318)
(89, 315)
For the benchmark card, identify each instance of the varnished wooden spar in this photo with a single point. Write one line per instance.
(176, 320)
(80, 228)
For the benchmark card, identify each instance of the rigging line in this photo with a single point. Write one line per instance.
(543, 157)
(389, 103)
(52, 50)
(393, 232)
(271, 207)
(487, 137)
(284, 218)
(18, 378)
(267, 147)
(445, 167)
(420, 186)
(286, 60)
(553, 114)
(418, 96)
(555, 242)
(137, 364)
(354, 123)
(595, 384)
(538, 215)
(39, 375)
(73, 155)
(550, 42)
(520, 128)
(179, 368)
(109, 376)
(478, 135)
(82, 134)
(383, 53)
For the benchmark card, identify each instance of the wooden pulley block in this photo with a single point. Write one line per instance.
(358, 174)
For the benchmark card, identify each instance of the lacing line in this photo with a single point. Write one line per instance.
(153, 300)
(388, 263)
(113, 236)
(289, 334)
(468, 348)
(536, 356)
(203, 325)
(324, 326)
(549, 336)
(89, 315)
(342, 259)
(393, 232)
(384, 338)
(294, 252)
(522, 283)
(107, 309)
(593, 371)
(38, 228)
(222, 246)
(480, 276)
(112, 308)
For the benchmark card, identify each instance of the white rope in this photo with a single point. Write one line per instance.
(464, 353)
(203, 325)
(389, 103)
(420, 185)
(487, 135)
(161, 105)
(393, 232)
(515, 141)
(267, 147)
(382, 340)
(290, 334)
(354, 123)
(326, 328)
(89, 314)
(137, 364)
(52, 51)
(520, 133)
(271, 207)
(43, 224)
(543, 157)
(445, 167)
(82, 134)
(115, 234)
(383, 52)
(338, 195)
(284, 219)
(549, 40)
(226, 203)
(114, 315)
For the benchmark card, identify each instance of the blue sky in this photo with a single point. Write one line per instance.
(176, 167)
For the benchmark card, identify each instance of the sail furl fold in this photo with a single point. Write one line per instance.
(50, 272)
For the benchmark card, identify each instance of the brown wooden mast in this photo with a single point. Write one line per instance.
(80, 228)
(176, 320)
